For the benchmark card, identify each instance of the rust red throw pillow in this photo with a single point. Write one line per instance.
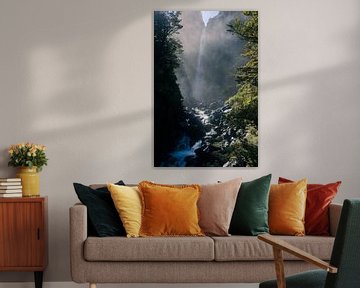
(319, 197)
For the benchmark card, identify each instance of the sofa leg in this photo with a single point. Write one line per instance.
(92, 285)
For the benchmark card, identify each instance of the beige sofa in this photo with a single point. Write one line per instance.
(234, 259)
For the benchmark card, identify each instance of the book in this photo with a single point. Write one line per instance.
(10, 180)
(10, 187)
(10, 191)
(10, 183)
(4, 195)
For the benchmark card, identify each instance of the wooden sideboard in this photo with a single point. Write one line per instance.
(23, 235)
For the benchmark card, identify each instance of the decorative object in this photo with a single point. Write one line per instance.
(250, 215)
(127, 201)
(205, 88)
(216, 206)
(318, 199)
(102, 215)
(287, 204)
(169, 210)
(30, 181)
(30, 158)
(10, 187)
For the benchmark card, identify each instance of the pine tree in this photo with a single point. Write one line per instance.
(243, 115)
(168, 102)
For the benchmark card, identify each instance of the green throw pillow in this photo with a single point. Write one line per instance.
(250, 215)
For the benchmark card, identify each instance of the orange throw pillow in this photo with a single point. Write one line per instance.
(287, 204)
(169, 210)
(319, 197)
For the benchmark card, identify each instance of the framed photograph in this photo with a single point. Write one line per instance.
(205, 88)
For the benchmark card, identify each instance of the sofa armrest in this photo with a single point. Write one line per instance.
(78, 235)
(334, 216)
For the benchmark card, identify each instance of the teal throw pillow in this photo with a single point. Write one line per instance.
(250, 216)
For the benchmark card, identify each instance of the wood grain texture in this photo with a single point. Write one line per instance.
(279, 268)
(284, 246)
(23, 234)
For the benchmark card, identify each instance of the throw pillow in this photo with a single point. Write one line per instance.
(102, 215)
(127, 201)
(169, 210)
(319, 197)
(250, 215)
(216, 206)
(287, 208)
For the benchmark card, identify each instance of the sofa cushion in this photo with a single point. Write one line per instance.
(127, 201)
(216, 206)
(169, 210)
(103, 218)
(287, 204)
(244, 248)
(149, 249)
(318, 199)
(250, 215)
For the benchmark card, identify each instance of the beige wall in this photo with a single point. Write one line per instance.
(77, 76)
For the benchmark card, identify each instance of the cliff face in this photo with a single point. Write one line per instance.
(190, 36)
(210, 56)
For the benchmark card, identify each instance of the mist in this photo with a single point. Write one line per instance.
(210, 56)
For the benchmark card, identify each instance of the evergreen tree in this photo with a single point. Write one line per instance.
(243, 114)
(169, 111)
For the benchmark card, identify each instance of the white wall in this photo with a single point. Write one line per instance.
(77, 77)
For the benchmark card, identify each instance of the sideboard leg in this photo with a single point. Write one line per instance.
(38, 279)
(92, 285)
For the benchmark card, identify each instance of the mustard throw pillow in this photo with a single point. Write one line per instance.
(169, 210)
(127, 201)
(287, 204)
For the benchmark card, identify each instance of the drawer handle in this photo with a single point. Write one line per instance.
(38, 234)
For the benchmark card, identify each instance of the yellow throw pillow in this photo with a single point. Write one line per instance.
(287, 204)
(127, 201)
(169, 210)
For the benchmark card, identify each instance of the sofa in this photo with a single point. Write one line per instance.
(233, 259)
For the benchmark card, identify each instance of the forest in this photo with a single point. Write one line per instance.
(205, 89)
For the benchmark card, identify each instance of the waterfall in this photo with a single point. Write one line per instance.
(198, 85)
(183, 151)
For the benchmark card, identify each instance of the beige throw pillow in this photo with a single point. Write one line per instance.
(216, 205)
